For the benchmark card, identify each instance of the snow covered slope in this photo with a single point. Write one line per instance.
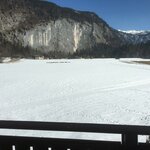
(89, 91)
(135, 31)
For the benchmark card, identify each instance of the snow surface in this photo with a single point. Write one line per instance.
(85, 90)
(135, 31)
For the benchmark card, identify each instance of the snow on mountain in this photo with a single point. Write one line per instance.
(135, 37)
(135, 31)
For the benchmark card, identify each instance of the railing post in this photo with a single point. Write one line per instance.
(129, 140)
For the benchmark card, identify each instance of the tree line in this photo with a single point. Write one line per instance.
(141, 50)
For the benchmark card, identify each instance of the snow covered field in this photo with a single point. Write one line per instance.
(85, 90)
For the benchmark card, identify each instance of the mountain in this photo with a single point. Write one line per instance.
(135, 37)
(36, 27)
(46, 27)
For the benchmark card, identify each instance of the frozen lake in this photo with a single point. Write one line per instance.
(85, 90)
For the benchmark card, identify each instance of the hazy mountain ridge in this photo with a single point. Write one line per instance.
(33, 27)
(135, 36)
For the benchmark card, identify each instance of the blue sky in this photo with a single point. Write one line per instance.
(119, 14)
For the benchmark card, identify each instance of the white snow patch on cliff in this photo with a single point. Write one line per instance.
(77, 35)
(40, 36)
(31, 40)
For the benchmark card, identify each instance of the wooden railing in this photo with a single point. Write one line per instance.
(129, 136)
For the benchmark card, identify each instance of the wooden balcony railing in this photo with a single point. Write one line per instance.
(129, 136)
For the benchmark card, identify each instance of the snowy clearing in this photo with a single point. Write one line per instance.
(85, 90)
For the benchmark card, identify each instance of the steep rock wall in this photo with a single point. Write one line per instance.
(63, 35)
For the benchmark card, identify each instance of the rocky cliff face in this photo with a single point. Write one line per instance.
(47, 27)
